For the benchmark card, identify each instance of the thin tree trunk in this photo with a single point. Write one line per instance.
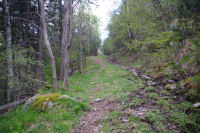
(90, 37)
(60, 39)
(9, 52)
(26, 28)
(127, 15)
(60, 20)
(40, 42)
(47, 43)
(81, 47)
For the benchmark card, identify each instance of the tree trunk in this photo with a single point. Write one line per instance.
(47, 43)
(9, 52)
(60, 38)
(66, 67)
(67, 37)
(90, 37)
(81, 47)
(9, 106)
(40, 42)
(60, 20)
(26, 27)
(127, 15)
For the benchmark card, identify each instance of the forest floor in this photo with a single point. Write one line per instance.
(123, 103)
(113, 100)
(100, 108)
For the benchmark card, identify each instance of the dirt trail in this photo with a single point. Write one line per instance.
(90, 121)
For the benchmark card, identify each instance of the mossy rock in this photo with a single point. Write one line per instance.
(42, 101)
(171, 87)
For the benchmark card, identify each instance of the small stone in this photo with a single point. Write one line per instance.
(162, 88)
(196, 105)
(93, 82)
(97, 100)
(67, 97)
(124, 120)
(50, 104)
(146, 77)
(171, 86)
(165, 97)
(43, 106)
(140, 113)
(151, 83)
(171, 81)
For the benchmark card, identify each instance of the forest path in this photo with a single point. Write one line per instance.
(90, 121)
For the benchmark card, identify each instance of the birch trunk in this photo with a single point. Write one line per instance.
(47, 43)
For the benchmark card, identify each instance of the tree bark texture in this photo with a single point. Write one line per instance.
(40, 43)
(81, 45)
(9, 52)
(66, 38)
(47, 43)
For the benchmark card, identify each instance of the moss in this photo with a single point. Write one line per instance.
(150, 89)
(171, 87)
(40, 99)
(165, 92)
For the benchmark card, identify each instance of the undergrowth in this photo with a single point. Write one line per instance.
(64, 114)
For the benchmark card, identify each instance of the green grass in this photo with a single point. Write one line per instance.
(153, 95)
(150, 89)
(114, 83)
(163, 102)
(64, 114)
(156, 120)
(138, 101)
